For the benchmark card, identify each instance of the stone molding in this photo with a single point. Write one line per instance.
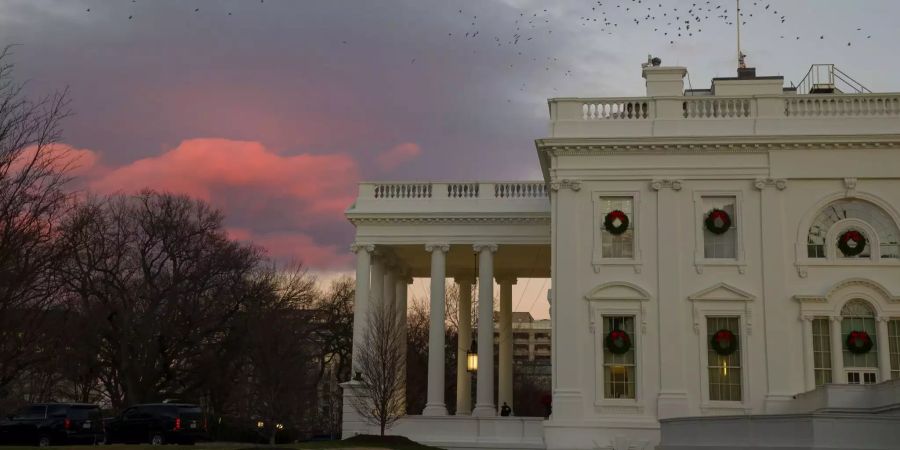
(674, 185)
(778, 183)
(481, 246)
(453, 220)
(850, 185)
(574, 185)
(589, 147)
(431, 247)
(356, 247)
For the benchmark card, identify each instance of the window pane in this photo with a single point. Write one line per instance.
(888, 233)
(821, 350)
(619, 370)
(894, 347)
(857, 315)
(724, 370)
(720, 245)
(613, 246)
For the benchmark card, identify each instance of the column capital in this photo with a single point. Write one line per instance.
(432, 246)
(356, 247)
(674, 185)
(465, 279)
(883, 318)
(504, 279)
(777, 183)
(574, 185)
(807, 317)
(483, 246)
(837, 319)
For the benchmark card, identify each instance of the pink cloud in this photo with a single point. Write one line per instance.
(205, 168)
(74, 161)
(284, 203)
(398, 155)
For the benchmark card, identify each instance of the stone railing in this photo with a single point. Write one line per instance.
(843, 105)
(452, 190)
(640, 109)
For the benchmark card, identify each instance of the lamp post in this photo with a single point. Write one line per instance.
(472, 357)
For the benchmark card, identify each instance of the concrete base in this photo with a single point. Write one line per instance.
(631, 434)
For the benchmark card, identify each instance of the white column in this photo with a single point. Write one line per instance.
(400, 294)
(837, 352)
(388, 294)
(463, 377)
(672, 400)
(809, 362)
(361, 302)
(484, 402)
(376, 289)
(434, 405)
(884, 355)
(505, 375)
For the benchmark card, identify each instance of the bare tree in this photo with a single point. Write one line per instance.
(381, 387)
(32, 201)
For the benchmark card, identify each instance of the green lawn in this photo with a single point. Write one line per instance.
(392, 443)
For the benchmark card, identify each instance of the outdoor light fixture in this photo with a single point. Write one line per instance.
(279, 426)
(472, 357)
(260, 424)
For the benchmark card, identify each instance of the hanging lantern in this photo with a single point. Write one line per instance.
(472, 357)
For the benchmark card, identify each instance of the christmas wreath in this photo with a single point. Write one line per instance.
(851, 243)
(859, 342)
(618, 342)
(616, 222)
(723, 342)
(717, 221)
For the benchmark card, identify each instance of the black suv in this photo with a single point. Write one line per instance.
(158, 423)
(44, 424)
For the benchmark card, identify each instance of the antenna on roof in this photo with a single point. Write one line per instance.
(740, 55)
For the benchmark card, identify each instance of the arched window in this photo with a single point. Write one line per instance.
(888, 235)
(858, 315)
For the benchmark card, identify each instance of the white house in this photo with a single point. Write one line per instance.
(742, 239)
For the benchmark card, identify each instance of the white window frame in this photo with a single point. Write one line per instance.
(618, 299)
(700, 259)
(832, 254)
(597, 260)
(729, 302)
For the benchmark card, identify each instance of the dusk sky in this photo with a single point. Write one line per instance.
(273, 111)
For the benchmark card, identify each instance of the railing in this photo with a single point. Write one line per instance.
(617, 109)
(716, 108)
(842, 105)
(468, 190)
(711, 107)
(828, 77)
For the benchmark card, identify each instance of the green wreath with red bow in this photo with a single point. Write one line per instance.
(859, 342)
(851, 243)
(618, 342)
(717, 221)
(724, 342)
(616, 222)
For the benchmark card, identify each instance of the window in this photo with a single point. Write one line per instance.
(821, 334)
(720, 246)
(619, 370)
(622, 245)
(724, 370)
(32, 413)
(894, 347)
(878, 219)
(858, 316)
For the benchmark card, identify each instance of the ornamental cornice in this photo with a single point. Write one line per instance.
(674, 185)
(574, 185)
(452, 220)
(564, 146)
(778, 183)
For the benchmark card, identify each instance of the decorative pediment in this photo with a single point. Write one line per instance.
(862, 285)
(722, 292)
(618, 290)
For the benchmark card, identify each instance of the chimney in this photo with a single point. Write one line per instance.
(664, 81)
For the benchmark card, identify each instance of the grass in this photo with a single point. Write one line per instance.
(387, 442)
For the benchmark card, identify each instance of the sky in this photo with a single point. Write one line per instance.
(274, 110)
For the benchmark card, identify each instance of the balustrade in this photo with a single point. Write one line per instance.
(520, 190)
(462, 190)
(403, 190)
(717, 108)
(468, 190)
(842, 106)
(614, 109)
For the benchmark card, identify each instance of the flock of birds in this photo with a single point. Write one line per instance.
(671, 21)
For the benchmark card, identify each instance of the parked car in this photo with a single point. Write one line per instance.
(158, 423)
(45, 424)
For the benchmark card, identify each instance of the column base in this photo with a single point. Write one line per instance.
(672, 404)
(484, 411)
(435, 410)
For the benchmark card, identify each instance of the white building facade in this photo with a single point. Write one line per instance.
(761, 244)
